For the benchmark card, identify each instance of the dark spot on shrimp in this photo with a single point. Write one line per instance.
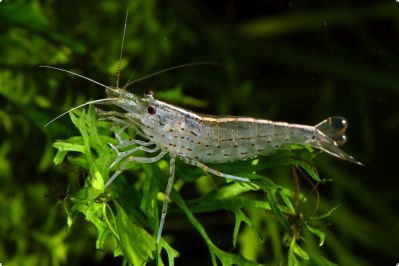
(269, 141)
(243, 153)
(151, 110)
(235, 145)
(252, 144)
(189, 149)
(225, 154)
(194, 133)
(313, 137)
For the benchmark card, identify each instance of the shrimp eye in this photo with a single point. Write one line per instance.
(149, 94)
(151, 110)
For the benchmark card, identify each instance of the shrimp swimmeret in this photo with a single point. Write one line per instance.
(201, 139)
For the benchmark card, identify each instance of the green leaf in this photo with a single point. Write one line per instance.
(65, 146)
(292, 260)
(315, 256)
(225, 258)
(320, 234)
(151, 187)
(288, 203)
(59, 157)
(239, 218)
(271, 197)
(263, 182)
(93, 213)
(98, 181)
(311, 170)
(137, 244)
(172, 253)
(298, 250)
(84, 195)
(324, 215)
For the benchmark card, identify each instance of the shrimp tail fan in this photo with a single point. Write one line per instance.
(332, 135)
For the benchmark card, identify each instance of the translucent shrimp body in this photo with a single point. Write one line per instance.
(201, 139)
(211, 139)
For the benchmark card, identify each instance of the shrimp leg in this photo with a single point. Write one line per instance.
(124, 154)
(109, 114)
(119, 133)
(134, 159)
(167, 195)
(126, 143)
(206, 168)
(115, 120)
(115, 117)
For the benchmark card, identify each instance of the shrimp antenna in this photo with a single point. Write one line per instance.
(91, 80)
(121, 52)
(171, 68)
(75, 74)
(79, 106)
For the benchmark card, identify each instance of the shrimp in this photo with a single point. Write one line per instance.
(201, 139)
(198, 140)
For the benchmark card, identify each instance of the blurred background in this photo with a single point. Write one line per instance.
(293, 61)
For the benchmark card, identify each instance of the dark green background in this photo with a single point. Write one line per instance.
(294, 61)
